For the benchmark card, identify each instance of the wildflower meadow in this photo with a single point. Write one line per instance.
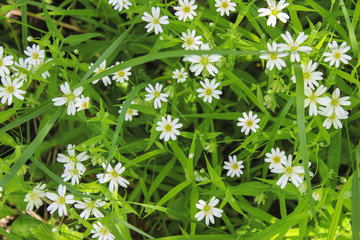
(179, 119)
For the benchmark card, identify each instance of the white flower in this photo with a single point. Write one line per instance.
(122, 75)
(155, 93)
(208, 91)
(102, 67)
(337, 54)
(45, 74)
(249, 122)
(317, 194)
(333, 119)
(36, 56)
(208, 210)
(197, 176)
(101, 232)
(190, 41)
(225, 6)
(311, 174)
(74, 172)
(314, 98)
(275, 158)
(120, 4)
(4, 62)
(273, 56)
(180, 75)
(274, 11)
(234, 166)
(294, 46)
(129, 112)
(155, 20)
(186, 10)
(69, 98)
(113, 175)
(310, 76)
(59, 201)
(289, 173)
(199, 62)
(19, 73)
(72, 158)
(34, 197)
(210, 147)
(82, 103)
(168, 128)
(90, 207)
(1, 191)
(334, 104)
(10, 89)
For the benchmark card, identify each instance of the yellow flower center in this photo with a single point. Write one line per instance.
(168, 128)
(129, 111)
(208, 91)
(276, 159)
(84, 104)
(114, 174)
(335, 102)
(180, 75)
(71, 97)
(224, 5)
(207, 209)
(35, 55)
(337, 55)
(34, 196)
(249, 123)
(235, 166)
(157, 94)
(186, 9)
(61, 200)
(1, 62)
(10, 89)
(294, 48)
(156, 21)
(204, 60)
(273, 56)
(274, 12)
(104, 231)
(75, 171)
(306, 75)
(333, 116)
(73, 159)
(91, 205)
(312, 98)
(121, 73)
(289, 170)
(190, 41)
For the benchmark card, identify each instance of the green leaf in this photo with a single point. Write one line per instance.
(28, 152)
(334, 155)
(355, 199)
(73, 40)
(300, 111)
(49, 22)
(350, 26)
(162, 175)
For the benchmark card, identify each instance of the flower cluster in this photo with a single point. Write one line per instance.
(14, 73)
(74, 169)
(330, 107)
(73, 99)
(281, 164)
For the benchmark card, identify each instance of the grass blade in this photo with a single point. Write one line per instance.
(29, 151)
(355, 199)
(350, 26)
(300, 109)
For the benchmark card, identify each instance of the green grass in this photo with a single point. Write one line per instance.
(160, 201)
